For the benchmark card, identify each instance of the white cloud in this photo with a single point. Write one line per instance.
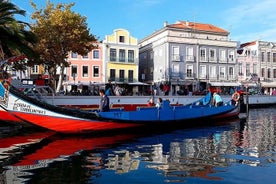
(251, 20)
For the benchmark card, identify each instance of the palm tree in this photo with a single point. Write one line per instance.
(14, 39)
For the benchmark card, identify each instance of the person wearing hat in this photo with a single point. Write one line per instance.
(217, 100)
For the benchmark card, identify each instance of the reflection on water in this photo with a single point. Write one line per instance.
(200, 154)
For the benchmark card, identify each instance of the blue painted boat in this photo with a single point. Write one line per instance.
(201, 109)
(66, 120)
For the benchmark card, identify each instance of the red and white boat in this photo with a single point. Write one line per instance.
(67, 120)
(51, 117)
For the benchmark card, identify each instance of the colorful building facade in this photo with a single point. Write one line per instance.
(120, 57)
(85, 69)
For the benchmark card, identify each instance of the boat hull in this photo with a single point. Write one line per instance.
(77, 121)
(6, 116)
(168, 113)
(69, 125)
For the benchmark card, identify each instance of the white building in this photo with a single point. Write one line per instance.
(257, 63)
(188, 53)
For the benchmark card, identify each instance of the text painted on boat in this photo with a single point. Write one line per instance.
(27, 108)
(117, 114)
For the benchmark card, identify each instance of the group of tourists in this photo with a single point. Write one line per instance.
(152, 104)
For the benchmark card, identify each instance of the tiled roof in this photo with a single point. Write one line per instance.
(197, 26)
(248, 44)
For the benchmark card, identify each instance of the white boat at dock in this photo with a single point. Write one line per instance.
(42, 93)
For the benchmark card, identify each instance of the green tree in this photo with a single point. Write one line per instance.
(14, 38)
(60, 30)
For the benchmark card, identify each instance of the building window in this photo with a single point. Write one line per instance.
(175, 56)
(221, 72)
(213, 72)
(175, 70)
(202, 72)
(240, 69)
(268, 73)
(274, 73)
(231, 56)
(130, 75)
(85, 56)
(190, 54)
(202, 54)
(112, 54)
(254, 68)
(262, 56)
(122, 55)
(268, 56)
(84, 71)
(247, 70)
(131, 56)
(212, 55)
(112, 74)
(231, 73)
(35, 69)
(223, 56)
(121, 75)
(74, 71)
(262, 72)
(74, 55)
(121, 39)
(274, 57)
(189, 70)
(96, 71)
(96, 54)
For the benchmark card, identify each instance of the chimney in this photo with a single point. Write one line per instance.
(165, 23)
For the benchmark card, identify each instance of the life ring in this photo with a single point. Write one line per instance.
(236, 96)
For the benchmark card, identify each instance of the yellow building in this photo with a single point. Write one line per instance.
(120, 57)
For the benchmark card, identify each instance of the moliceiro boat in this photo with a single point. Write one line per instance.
(66, 120)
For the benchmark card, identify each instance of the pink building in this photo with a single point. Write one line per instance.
(248, 63)
(85, 69)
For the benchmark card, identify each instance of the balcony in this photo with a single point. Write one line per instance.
(122, 60)
(121, 80)
(213, 59)
(176, 58)
(190, 58)
(175, 74)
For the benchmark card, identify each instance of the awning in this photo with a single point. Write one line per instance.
(138, 84)
(82, 83)
(268, 84)
(232, 84)
(250, 84)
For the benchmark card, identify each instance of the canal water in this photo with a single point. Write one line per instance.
(236, 151)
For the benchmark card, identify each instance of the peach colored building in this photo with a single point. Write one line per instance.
(85, 69)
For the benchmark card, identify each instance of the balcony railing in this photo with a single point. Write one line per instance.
(121, 80)
(190, 58)
(175, 58)
(122, 60)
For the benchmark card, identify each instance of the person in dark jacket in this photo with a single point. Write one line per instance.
(104, 103)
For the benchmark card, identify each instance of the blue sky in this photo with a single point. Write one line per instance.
(246, 20)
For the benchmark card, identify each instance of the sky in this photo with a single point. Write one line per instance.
(246, 20)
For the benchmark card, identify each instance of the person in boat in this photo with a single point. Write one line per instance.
(104, 103)
(217, 100)
(150, 103)
(159, 103)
